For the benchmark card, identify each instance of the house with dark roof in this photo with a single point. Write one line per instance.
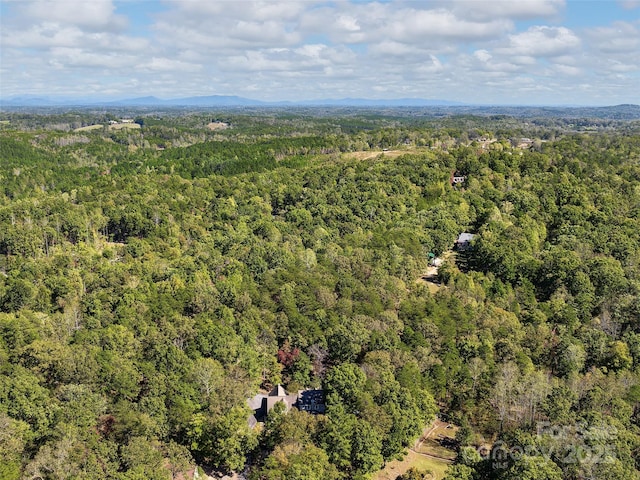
(310, 401)
(457, 178)
(464, 241)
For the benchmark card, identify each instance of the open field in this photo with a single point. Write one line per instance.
(120, 126)
(413, 459)
(369, 154)
(431, 443)
(89, 128)
(430, 279)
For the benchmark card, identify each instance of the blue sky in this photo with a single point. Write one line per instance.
(532, 52)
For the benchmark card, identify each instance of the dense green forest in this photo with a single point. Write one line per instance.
(153, 279)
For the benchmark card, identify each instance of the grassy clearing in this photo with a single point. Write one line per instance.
(89, 128)
(431, 445)
(120, 126)
(370, 154)
(430, 276)
(415, 460)
(421, 456)
(432, 287)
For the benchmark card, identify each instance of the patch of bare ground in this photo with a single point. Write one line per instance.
(217, 126)
(211, 474)
(430, 276)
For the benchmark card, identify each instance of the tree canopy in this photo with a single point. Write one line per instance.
(153, 280)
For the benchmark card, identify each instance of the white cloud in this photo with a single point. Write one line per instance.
(484, 63)
(630, 4)
(413, 25)
(43, 35)
(564, 69)
(621, 37)
(402, 22)
(261, 11)
(391, 50)
(227, 24)
(50, 35)
(434, 65)
(90, 15)
(459, 49)
(512, 9)
(482, 55)
(64, 57)
(157, 64)
(542, 41)
(299, 62)
(348, 23)
(224, 33)
(269, 32)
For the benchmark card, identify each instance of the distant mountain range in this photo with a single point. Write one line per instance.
(434, 107)
(217, 101)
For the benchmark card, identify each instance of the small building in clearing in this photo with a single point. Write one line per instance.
(464, 241)
(457, 178)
